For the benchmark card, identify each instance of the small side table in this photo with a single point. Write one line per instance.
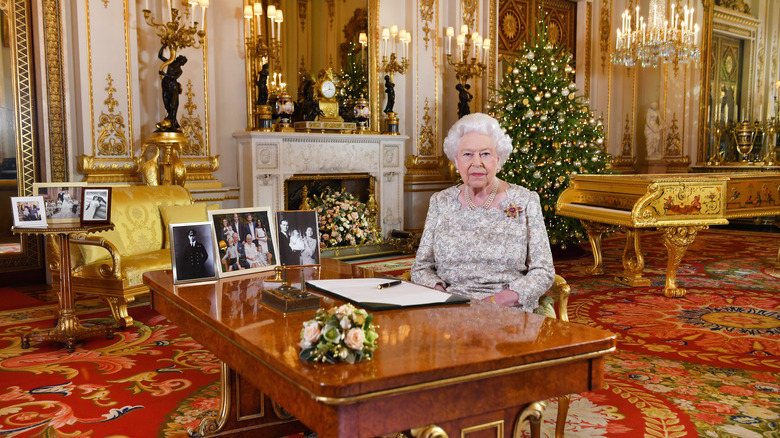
(68, 329)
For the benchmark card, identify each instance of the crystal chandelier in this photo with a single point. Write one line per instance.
(657, 40)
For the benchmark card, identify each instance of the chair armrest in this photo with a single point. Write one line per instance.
(107, 271)
(561, 289)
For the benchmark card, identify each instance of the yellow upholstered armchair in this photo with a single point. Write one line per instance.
(111, 264)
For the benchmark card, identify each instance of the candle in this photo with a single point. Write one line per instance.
(170, 11)
(450, 33)
(271, 16)
(204, 4)
(725, 116)
(279, 20)
(146, 4)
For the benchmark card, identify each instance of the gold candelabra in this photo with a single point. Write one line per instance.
(264, 62)
(393, 36)
(176, 35)
(658, 39)
(467, 63)
(717, 157)
(166, 166)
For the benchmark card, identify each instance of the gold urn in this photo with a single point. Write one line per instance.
(744, 137)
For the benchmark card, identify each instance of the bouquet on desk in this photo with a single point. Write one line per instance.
(342, 333)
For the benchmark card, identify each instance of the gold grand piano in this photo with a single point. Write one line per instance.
(679, 205)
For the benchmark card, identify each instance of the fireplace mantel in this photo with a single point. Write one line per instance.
(267, 159)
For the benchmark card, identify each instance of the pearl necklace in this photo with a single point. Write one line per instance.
(488, 201)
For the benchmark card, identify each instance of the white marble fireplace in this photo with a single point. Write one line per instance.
(267, 159)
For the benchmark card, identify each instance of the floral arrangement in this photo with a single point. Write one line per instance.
(342, 333)
(343, 220)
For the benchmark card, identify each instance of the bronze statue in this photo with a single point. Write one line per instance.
(390, 90)
(171, 89)
(464, 97)
(262, 86)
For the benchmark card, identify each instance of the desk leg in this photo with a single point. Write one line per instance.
(245, 411)
(595, 231)
(68, 329)
(633, 260)
(676, 241)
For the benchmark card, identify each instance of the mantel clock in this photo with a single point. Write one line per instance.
(327, 88)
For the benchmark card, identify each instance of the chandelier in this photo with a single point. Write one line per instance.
(656, 40)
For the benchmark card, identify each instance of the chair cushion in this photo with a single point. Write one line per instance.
(133, 266)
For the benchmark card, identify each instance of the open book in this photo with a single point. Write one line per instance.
(365, 292)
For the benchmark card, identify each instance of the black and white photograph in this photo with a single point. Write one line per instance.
(192, 252)
(299, 237)
(62, 201)
(245, 239)
(95, 204)
(28, 211)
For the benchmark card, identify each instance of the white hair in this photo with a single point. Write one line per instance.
(478, 123)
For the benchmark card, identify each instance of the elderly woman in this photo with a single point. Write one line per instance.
(484, 239)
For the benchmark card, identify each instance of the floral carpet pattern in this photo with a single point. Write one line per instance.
(707, 364)
(120, 387)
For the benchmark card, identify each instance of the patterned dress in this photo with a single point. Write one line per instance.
(477, 253)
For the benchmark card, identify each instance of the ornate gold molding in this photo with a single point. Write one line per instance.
(673, 143)
(53, 54)
(192, 127)
(426, 15)
(469, 14)
(588, 22)
(735, 5)
(605, 33)
(112, 139)
(425, 145)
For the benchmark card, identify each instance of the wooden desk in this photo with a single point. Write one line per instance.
(68, 329)
(461, 367)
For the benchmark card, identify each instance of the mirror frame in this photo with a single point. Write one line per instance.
(708, 25)
(19, 13)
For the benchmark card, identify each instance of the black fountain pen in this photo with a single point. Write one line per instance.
(390, 284)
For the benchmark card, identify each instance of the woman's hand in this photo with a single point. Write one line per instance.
(506, 297)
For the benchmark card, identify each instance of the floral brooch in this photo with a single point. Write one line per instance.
(513, 211)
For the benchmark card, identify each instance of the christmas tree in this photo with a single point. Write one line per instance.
(554, 133)
(353, 85)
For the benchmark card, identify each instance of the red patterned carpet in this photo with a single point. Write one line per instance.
(703, 365)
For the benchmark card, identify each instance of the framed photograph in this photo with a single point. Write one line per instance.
(298, 237)
(95, 205)
(245, 240)
(62, 201)
(192, 252)
(28, 211)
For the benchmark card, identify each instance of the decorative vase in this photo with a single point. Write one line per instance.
(285, 108)
(362, 114)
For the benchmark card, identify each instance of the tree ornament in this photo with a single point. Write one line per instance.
(538, 98)
(515, 71)
(565, 92)
(534, 68)
(521, 90)
(547, 95)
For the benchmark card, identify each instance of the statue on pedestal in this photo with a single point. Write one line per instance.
(171, 89)
(262, 86)
(464, 97)
(390, 90)
(653, 127)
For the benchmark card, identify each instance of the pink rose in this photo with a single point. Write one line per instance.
(355, 338)
(310, 334)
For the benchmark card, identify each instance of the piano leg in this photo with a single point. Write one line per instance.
(676, 241)
(633, 260)
(595, 231)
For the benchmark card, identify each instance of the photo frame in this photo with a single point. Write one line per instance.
(62, 201)
(95, 205)
(28, 211)
(192, 252)
(298, 237)
(262, 249)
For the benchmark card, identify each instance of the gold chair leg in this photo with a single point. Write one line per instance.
(118, 308)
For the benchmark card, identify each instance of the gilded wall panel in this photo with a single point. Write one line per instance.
(517, 21)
